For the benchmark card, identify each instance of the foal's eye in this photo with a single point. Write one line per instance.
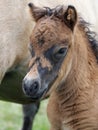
(60, 53)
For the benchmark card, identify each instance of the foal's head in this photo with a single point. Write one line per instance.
(51, 48)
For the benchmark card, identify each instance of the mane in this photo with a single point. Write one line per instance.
(91, 35)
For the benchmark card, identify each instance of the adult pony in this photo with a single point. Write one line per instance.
(64, 63)
(15, 28)
(14, 55)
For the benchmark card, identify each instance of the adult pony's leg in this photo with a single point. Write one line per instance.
(11, 90)
(29, 112)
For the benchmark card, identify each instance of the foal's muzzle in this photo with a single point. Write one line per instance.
(31, 87)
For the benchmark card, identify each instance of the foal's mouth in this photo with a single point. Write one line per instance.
(45, 95)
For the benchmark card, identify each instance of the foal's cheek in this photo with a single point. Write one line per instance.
(53, 113)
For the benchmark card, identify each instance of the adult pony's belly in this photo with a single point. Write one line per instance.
(11, 89)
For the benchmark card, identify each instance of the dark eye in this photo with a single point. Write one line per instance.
(60, 53)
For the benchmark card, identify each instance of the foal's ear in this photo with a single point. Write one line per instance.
(36, 12)
(70, 17)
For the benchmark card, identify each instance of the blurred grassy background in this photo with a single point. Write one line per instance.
(11, 117)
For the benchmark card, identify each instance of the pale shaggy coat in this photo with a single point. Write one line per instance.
(16, 26)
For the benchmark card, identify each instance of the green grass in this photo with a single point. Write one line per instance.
(11, 117)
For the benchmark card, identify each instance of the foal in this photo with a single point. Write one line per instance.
(64, 64)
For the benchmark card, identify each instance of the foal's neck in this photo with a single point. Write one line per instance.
(76, 97)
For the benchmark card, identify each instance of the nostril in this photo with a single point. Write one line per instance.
(35, 85)
(30, 88)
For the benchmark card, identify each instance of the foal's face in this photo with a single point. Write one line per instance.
(50, 47)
